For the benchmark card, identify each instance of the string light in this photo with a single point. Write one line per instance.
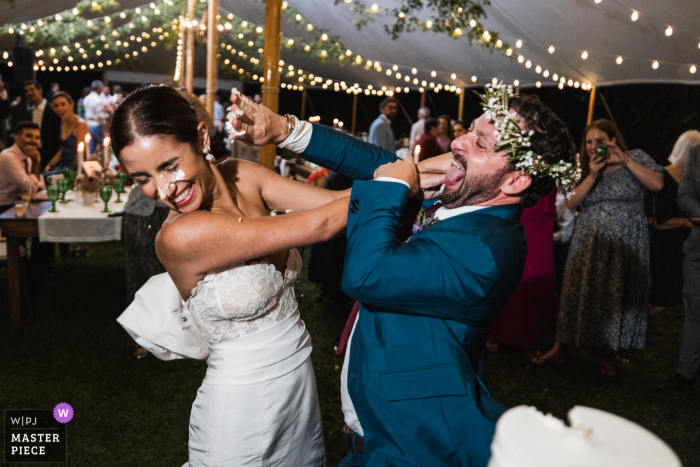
(669, 31)
(618, 60)
(635, 15)
(584, 55)
(655, 65)
(551, 49)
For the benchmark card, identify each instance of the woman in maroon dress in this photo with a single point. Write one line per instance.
(530, 315)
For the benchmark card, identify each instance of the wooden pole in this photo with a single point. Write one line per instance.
(354, 114)
(182, 35)
(212, 47)
(422, 99)
(591, 106)
(460, 111)
(270, 87)
(302, 116)
(189, 47)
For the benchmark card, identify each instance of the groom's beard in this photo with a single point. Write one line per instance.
(475, 189)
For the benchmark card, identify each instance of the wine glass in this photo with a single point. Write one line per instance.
(119, 189)
(106, 195)
(72, 175)
(53, 192)
(122, 176)
(63, 188)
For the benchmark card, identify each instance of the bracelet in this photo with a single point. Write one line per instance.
(627, 161)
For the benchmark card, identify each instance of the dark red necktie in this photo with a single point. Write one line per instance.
(355, 309)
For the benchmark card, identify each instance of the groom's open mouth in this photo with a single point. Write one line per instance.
(455, 174)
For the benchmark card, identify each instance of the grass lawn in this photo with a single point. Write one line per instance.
(135, 413)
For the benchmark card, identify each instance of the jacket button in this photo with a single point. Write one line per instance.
(353, 209)
(355, 202)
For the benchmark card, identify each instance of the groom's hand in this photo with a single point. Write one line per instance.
(404, 170)
(261, 125)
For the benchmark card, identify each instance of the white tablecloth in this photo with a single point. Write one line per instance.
(75, 223)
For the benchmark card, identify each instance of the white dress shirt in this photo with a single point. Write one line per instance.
(94, 109)
(38, 112)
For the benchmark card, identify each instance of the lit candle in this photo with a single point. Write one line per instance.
(105, 149)
(416, 153)
(81, 149)
(87, 146)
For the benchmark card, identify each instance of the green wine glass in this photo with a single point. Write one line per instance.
(63, 188)
(122, 176)
(53, 193)
(106, 195)
(119, 189)
(72, 175)
(66, 172)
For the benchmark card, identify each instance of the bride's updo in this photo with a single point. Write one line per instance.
(158, 111)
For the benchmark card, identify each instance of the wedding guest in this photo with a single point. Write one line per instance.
(606, 281)
(689, 202)
(429, 146)
(218, 111)
(117, 94)
(530, 316)
(669, 228)
(417, 128)
(257, 98)
(95, 114)
(34, 108)
(73, 130)
(380, 133)
(444, 137)
(458, 129)
(81, 108)
(53, 89)
(16, 162)
(566, 219)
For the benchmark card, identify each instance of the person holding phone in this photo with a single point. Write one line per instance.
(606, 280)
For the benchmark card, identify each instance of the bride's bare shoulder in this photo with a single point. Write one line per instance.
(179, 232)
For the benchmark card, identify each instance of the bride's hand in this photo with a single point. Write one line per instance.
(430, 185)
(437, 164)
(260, 125)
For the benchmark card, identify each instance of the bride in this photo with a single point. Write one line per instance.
(232, 268)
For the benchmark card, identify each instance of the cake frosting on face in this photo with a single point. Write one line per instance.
(525, 437)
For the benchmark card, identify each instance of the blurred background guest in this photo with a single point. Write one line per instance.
(95, 114)
(257, 98)
(53, 89)
(669, 228)
(16, 177)
(417, 128)
(444, 137)
(34, 108)
(318, 177)
(459, 129)
(606, 281)
(530, 316)
(380, 133)
(80, 111)
(429, 146)
(689, 354)
(566, 219)
(73, 130)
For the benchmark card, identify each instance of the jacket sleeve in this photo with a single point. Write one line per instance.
(345, 154)
(420, 277)
(689, 188)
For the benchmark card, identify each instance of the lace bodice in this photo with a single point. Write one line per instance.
(244, 299)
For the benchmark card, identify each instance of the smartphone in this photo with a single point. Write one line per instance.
(601, 150)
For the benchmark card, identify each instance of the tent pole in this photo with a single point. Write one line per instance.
(354, 114)
(302, 115)
(270, 87)
(212, 46)
(189, 47)
(422, 99)
(591, 106)
(461, 106)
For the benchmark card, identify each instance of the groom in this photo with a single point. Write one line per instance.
(416, 395)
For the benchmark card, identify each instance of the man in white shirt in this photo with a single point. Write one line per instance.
(95, 115)
(417, 128)
(16, 163)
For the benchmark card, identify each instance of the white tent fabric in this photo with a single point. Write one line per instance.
(604, 30)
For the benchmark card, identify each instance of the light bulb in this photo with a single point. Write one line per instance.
(516, 83)
(453, 76)
(693, 69)
(518, 43)
(528, 64)
(635, 16)
(655, 65)
(584, 55)
(414, 71)
(538, 84)
(618, 60)
(473, 79)
(433, 74)
(551, 49)
(669, 31)
(428, 24)
(538, 69)
(472, 23)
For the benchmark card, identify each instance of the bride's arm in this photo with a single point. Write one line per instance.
(279, 193)
(194, 243)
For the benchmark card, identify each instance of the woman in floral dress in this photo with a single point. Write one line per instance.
(606, 280)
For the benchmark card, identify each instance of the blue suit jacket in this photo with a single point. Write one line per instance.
(427, 306)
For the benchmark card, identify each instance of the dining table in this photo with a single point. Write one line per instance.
(75, 222)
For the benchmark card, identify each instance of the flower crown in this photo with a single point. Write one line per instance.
(511, 139)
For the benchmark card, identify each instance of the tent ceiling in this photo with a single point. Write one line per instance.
(604, 30)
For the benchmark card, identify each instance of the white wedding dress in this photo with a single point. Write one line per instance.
(258, 404)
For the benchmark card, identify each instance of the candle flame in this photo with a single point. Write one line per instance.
(417, 150)
(87, 139)
(81, 146)
(106, 141)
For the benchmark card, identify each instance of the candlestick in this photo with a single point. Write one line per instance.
(80, 155)
(87, 146)
(105, 149)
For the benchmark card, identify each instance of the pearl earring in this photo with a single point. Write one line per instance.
(210, 157)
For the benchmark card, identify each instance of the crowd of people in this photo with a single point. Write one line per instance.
(600, 259)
